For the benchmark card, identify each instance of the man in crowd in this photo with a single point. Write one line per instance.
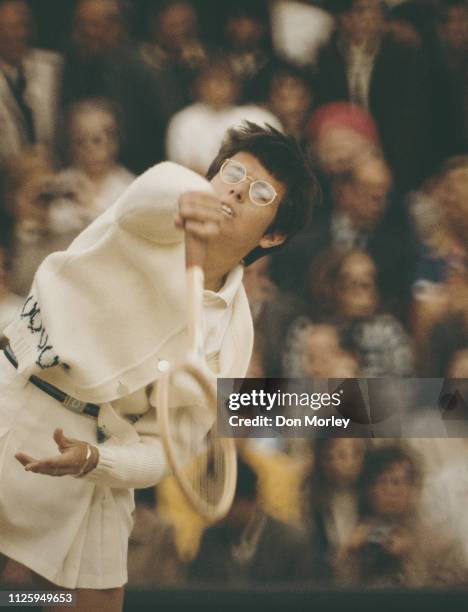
(366, 65)
(28, 83)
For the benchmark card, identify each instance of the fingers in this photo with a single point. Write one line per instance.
(53, 466)
(24, 459)
(69, 462)
(62, 441)
(202, 230)
(200, 214)
(200, 206)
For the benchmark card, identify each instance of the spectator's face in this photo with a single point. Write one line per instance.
(364, 197)
(94, 141)
(393, 494)
(338, 148)
(343, 461)
(290, 96)
(321, 347)
(175, 26)
(218, 88)
(15, 30)
(98, 26)
(246, 225)
(357, 294)
(364, 22)
(245, 32)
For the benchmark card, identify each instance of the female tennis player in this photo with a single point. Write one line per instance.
(78, 427)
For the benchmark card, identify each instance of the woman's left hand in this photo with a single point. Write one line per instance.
(72, 460)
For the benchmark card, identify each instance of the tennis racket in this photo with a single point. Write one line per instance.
(204, 465)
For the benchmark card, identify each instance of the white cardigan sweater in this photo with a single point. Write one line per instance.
(104, 313)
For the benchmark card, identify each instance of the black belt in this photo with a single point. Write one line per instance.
(69, 402)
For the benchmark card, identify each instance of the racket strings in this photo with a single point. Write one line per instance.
(206, 472)
(204, 464)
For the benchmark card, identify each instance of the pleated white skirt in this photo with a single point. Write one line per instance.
(72, 532)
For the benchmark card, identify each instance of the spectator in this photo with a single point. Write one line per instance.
(28, 83)
(247, 42)
(196, 132)
(94, 141)
(250, 546)
(344, 290)
(333, 502)
(365, 64)
(290, 99)
(339, 132)
(174, 52)
(316, 351)
(100, 62)
(390, 545)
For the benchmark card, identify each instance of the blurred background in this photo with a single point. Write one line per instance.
(93, 92)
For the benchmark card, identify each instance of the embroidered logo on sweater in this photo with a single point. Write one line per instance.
(32, 313)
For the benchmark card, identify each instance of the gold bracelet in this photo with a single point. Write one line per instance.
(85, 465)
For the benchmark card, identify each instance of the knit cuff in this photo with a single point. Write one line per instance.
(133, 466)
(105, 467)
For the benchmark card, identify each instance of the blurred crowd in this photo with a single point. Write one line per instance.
(376, 285)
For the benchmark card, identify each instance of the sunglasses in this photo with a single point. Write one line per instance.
(261, 193)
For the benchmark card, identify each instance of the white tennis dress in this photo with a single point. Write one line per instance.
(100, 320)
(69, 530)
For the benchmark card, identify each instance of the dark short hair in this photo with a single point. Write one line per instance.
(376, 463)
(318, 478)
(284, 159)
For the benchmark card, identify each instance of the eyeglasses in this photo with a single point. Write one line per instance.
(261, 193)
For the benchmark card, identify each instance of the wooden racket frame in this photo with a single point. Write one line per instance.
(195, 365)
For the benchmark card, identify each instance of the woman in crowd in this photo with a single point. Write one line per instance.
(333, 508)
(94, 137)
(343, 292)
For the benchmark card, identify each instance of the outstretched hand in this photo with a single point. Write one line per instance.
(74, 458)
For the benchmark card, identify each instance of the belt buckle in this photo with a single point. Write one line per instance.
(74, 404)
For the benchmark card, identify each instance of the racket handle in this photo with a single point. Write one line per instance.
(194, 258)
(195, 250)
